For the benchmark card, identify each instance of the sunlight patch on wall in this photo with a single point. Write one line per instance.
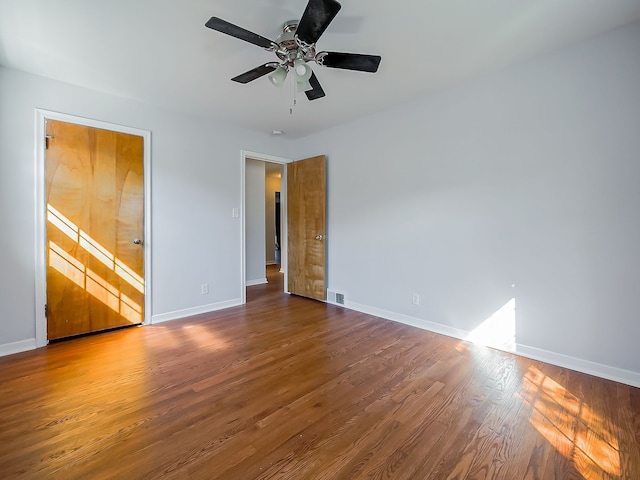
(499, 330)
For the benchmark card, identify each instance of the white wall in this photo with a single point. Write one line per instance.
(255, 222)
(195, 185)
(529, 176)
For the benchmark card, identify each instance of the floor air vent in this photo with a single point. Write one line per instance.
(335, 297)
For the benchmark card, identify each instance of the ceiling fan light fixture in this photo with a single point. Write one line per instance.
(302, 70)
(278, 76)
(303, 86)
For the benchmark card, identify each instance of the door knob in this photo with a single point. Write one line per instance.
(137, 241)
(320, 237)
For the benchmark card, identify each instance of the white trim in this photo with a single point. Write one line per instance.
(40, 214)
(190, 312)
(40, 229)
(585, 366)
(17, 347)
(244, 155)
(407, 320)
(580, 365)
(257, 281)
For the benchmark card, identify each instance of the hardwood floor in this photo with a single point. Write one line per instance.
(290, 388)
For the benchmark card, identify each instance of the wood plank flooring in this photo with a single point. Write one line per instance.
(290, 388)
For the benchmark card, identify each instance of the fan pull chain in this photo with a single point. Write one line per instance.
(293, 93)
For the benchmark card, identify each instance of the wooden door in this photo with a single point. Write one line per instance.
(306, 204)
(95, 208)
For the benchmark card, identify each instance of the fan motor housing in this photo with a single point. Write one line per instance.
(288, 46)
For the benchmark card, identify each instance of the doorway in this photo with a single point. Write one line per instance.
(278, 225)
(262, 176)
(273, 226)
(97, 277)
(303, 220)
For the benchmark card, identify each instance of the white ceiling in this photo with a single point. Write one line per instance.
(159, 51)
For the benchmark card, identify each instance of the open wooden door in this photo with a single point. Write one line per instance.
(95, 208)
(306, 225)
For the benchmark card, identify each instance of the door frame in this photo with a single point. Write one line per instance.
(248, 155)
(40, 210)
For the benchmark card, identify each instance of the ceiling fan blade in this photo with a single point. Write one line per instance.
(223, 26)
(317, 91)
(254, 73)
(316, 18)
(350, 61)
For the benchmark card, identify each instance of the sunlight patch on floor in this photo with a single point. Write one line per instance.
(204, 338)
(571, 426)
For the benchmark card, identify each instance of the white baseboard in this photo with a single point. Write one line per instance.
(17, 347)
(585, 366)
(257, 281)
(190, 312)
(565, 361)
(407, 320)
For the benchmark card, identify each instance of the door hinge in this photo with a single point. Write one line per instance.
(46, 141)
(46, 310)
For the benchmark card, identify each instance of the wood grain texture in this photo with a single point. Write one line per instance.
(95, 209)
(290, 388)
(306, 219)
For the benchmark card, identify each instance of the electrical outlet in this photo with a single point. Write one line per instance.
(416, 298)
(205, 288)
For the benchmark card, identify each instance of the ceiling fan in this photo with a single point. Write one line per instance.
(296, 46)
